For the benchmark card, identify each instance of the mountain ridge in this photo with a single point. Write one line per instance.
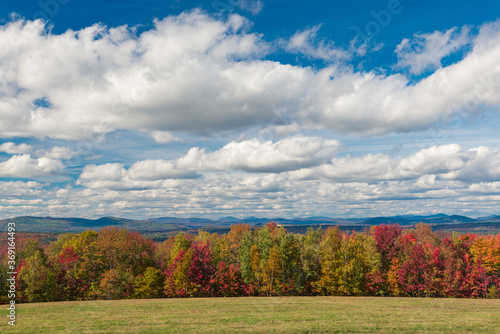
(163, 226)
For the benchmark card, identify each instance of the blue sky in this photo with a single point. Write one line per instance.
(249, 108)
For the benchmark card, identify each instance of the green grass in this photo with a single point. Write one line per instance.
(260, 315)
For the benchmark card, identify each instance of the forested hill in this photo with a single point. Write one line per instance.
(58, 225)
(166, 225)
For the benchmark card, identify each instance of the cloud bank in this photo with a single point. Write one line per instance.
(196, 74)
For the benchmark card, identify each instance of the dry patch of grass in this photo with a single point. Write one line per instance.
(260, 315)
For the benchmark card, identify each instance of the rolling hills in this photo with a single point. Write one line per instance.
(160, 228)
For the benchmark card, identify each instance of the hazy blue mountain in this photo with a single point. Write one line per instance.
(159, 228)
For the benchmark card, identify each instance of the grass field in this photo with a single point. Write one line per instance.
(260, 315)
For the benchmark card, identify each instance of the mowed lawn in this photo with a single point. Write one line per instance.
(260, 315)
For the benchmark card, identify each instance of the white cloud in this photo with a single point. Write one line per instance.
(433, 160)
(368, 168)
(23, 166)
(55, 153)
(486, 187)
(164, 137)
(178, 75)
(148, 174)
(255, 155)
(192, 73)
(371, 184)
(425, 51)
(158, 170)
(304, 42)
(11, 148)
(373, 104)
(58, 152)
(436, 172)
(106, 172)
(351, 189)
(481, 165)
(260, 183)
(253, 6)
(19, 188)
(250, 155)
(445, 162)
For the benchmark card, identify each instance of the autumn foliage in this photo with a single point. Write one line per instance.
(267, 261)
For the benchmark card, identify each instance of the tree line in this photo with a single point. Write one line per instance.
(386, 260)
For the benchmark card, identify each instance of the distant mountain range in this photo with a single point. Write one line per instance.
(160, 228)
(438, 219)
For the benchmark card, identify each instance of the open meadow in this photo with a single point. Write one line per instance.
(260, 315)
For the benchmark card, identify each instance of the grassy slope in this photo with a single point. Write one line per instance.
(260, 315)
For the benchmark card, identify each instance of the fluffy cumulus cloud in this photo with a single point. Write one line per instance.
(433, 160)
(163, 137)
(481, 164)
(24, 166)
(11, 148)
(425, 51)
(158, 169)
(438, 176)
(255, 155)
(55, 153)
(110, 189)
(445, 162)
(367, 168)
(307, 159)
(250, 156)
(141, 175)
(58, 152)
(194, 73)
(19, 189)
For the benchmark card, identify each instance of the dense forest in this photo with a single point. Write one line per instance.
(385, 260)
